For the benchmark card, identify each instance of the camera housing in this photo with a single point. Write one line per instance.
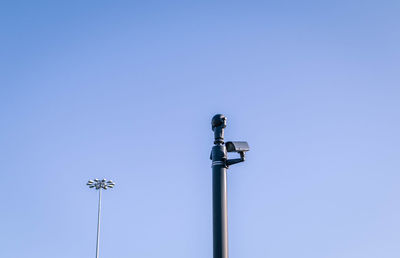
(237, 147)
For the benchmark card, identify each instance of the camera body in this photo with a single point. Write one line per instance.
(237, 146)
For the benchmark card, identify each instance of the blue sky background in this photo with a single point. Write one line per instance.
(126, 90)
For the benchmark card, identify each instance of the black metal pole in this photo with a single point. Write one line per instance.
(219, 189)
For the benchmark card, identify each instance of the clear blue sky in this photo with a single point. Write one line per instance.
(126, 90)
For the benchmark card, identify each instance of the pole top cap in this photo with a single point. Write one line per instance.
(218, 120)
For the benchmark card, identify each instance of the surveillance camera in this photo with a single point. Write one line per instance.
(217, 121)
(237, 146)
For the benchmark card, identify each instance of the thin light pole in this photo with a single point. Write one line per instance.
(98, 225)
(99, 185)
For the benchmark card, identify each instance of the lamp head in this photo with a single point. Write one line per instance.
(218, 123)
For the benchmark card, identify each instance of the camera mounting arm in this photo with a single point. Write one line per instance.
(235, 161)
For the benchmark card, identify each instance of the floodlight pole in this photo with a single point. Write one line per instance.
(219, 189)
(99, 185)
(98, 225)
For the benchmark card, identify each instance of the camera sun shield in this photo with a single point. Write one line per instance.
(237, 146)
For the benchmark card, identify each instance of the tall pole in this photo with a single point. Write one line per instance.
(99, 185)
(219, 189)
(220, 164)
(98, 225)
